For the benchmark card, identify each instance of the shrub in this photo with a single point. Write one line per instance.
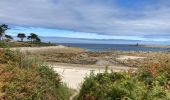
(145, 84)
(24, 78)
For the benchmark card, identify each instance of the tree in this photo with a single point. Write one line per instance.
(21, 36)
(9, 37)
(3, 28)
(33, 37)
(38, 39)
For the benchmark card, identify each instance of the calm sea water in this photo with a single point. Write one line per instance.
(107, 47)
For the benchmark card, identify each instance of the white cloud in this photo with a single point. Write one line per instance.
(91, 16)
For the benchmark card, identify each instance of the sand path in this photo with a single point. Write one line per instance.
(73, 75)
(125, 57)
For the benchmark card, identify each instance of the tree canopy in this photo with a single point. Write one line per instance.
(34, 37)
(21, 36)
(3, 28)
(8, 37)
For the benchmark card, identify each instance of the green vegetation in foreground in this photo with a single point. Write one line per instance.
(148, 83)
(25, 78)
(24, 44)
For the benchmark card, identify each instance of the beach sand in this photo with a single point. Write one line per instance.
(73, 74)
(125, 57)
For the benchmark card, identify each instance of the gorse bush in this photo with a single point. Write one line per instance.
(23, 77)
(148, 83)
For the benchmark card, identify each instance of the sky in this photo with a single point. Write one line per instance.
(143, 20)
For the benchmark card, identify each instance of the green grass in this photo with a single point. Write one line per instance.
(23, 77)
(25, 44)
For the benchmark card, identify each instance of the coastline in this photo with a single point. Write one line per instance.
(114, 47)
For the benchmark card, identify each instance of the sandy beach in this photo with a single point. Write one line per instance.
(125, 57)
(73, 75)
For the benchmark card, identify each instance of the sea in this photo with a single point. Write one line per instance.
(103, 45)
(110, 47)
(97, 45)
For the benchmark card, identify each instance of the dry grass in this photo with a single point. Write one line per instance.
(79, 56)
(64, 55)
(72, 55)
(150, 57)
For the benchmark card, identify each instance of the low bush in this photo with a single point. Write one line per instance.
(23, 77)
(148, 83)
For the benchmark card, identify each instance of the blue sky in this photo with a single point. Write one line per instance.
(144, 20)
